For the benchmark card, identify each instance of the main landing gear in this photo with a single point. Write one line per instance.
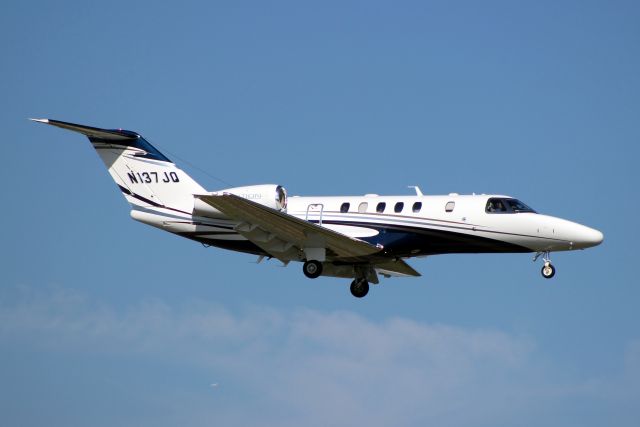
(359, 288)
(548, 270)
(312, 269)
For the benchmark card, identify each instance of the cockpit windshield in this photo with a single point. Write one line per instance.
(506, 205)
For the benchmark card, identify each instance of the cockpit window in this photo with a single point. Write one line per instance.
(496, 206)
(518, 206)
(505, 205)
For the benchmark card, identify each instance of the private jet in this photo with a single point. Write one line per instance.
(355, 237)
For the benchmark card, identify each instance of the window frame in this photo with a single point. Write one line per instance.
(450, 206)
(381, 206)
(398, 207)
(344, 208)
(417, 207)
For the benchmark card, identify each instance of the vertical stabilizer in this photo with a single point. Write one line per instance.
(146, 177)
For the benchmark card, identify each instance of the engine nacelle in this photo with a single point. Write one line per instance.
(271, 195)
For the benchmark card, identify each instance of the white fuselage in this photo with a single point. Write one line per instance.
(466, 216)
(442, 224)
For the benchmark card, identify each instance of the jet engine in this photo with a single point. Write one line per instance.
(271, 195)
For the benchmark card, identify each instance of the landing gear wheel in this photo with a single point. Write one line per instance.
(548, 271)
(359, 288)
(312, 269)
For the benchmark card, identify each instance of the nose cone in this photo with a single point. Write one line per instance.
(586, 237)
(563, 235)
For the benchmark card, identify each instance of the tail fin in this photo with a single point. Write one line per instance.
(146, 177)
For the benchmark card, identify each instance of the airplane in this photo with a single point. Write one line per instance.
(355, 237)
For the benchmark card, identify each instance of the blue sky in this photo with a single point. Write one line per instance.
(104, 321)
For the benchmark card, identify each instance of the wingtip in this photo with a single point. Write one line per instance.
(40, 120)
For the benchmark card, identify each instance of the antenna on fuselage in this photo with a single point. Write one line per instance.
(418, 191)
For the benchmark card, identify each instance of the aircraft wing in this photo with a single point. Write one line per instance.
(396, 267)
(282, 235)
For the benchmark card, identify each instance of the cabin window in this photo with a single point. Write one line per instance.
(380, 207)
(344, 208)
(398, 207)
(362, 208)
(416, 207)
(449, 206)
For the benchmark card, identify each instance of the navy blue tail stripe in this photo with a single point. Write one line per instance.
(150, 202)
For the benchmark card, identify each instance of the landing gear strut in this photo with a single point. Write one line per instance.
(359, 288)
(312, 269)
(548, 270)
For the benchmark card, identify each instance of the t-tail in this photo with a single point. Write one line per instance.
(146, 177)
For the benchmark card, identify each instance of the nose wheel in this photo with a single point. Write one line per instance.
(548, 270)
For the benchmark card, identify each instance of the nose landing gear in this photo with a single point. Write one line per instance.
(548, 270)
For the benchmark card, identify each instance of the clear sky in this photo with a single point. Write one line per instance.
(105, 321)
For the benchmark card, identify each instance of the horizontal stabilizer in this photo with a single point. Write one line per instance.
(121, 137)
(91, 132)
